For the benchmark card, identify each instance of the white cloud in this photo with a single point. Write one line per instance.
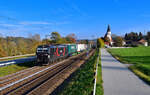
(35, 23)
(8, 25)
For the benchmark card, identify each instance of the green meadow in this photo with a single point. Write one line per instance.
(138, 56)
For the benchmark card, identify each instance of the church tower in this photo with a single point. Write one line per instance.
(108, 35)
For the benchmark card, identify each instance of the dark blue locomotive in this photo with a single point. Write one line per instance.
(50, 53)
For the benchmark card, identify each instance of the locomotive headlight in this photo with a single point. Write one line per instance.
(48, 56)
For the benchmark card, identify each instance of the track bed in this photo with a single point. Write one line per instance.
(43, 82)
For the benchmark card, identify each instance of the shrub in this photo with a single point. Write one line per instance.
(100, 43)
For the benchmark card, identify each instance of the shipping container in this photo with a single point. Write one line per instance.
(72, 48)
(81, 47)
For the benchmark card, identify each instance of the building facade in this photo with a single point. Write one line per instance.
(107, 37)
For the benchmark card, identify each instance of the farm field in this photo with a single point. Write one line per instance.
(138, 56)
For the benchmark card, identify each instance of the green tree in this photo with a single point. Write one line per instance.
(140, 36)
(100, 43)
(126, 37)
(56, 38)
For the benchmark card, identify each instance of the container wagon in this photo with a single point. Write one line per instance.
(81, 47)
(72, 48)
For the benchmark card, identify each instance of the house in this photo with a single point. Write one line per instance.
(143, 42)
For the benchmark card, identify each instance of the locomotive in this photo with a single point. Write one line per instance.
(46, 54)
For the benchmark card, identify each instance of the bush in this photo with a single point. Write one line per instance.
(100, 43)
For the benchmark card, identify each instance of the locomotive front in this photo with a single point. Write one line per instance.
(43, 54)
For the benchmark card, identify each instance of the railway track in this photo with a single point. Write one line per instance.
(46, 80)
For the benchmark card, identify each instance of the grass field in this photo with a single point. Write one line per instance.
(139, 57)
(15, 68)
(82, 82)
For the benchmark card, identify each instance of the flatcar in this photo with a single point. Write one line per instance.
(47, 54)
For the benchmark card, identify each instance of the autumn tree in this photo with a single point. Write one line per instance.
(118, 41)
(100, 43)
(71, 38)
(106, 39)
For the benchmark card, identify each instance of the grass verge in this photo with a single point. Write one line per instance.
(139, 57)
(82, 81)
(99, 86)
(6, 70)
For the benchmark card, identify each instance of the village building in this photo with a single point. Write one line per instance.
(143, 42)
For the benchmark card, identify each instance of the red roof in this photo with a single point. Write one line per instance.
(142, 41)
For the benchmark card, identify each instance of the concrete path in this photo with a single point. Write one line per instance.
(118, 79)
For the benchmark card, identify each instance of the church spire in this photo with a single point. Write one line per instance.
(107, 36)
(108, 29)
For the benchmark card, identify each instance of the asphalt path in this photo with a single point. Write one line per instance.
(118, 79)
(16, 61)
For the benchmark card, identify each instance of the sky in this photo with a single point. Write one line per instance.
(87, 19)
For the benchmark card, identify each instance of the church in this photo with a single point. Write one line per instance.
(107, 38)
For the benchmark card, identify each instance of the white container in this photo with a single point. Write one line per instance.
(81, 47)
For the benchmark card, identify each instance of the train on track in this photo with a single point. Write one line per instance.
(46, 54)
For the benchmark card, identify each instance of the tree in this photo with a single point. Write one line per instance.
(106, 39)
(131, 36)
(36, 37)
(140, 36)
(100, 43)
(118, 41)
(56, 38)
(148, 35)
(126, 37)
(71, 38)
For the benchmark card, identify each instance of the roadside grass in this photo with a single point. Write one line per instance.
(139, 57)
(82, 81)
(99, 86)
(6, 70)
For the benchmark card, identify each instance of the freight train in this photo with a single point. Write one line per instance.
(46, 54)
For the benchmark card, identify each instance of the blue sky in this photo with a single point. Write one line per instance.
(85, 18)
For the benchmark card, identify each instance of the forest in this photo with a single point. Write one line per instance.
(11, 46)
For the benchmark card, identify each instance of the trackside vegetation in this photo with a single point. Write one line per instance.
(99, 86)
(15, 68)
(82, 81)
(139, 57)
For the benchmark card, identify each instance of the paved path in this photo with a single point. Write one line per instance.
(118, 79)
